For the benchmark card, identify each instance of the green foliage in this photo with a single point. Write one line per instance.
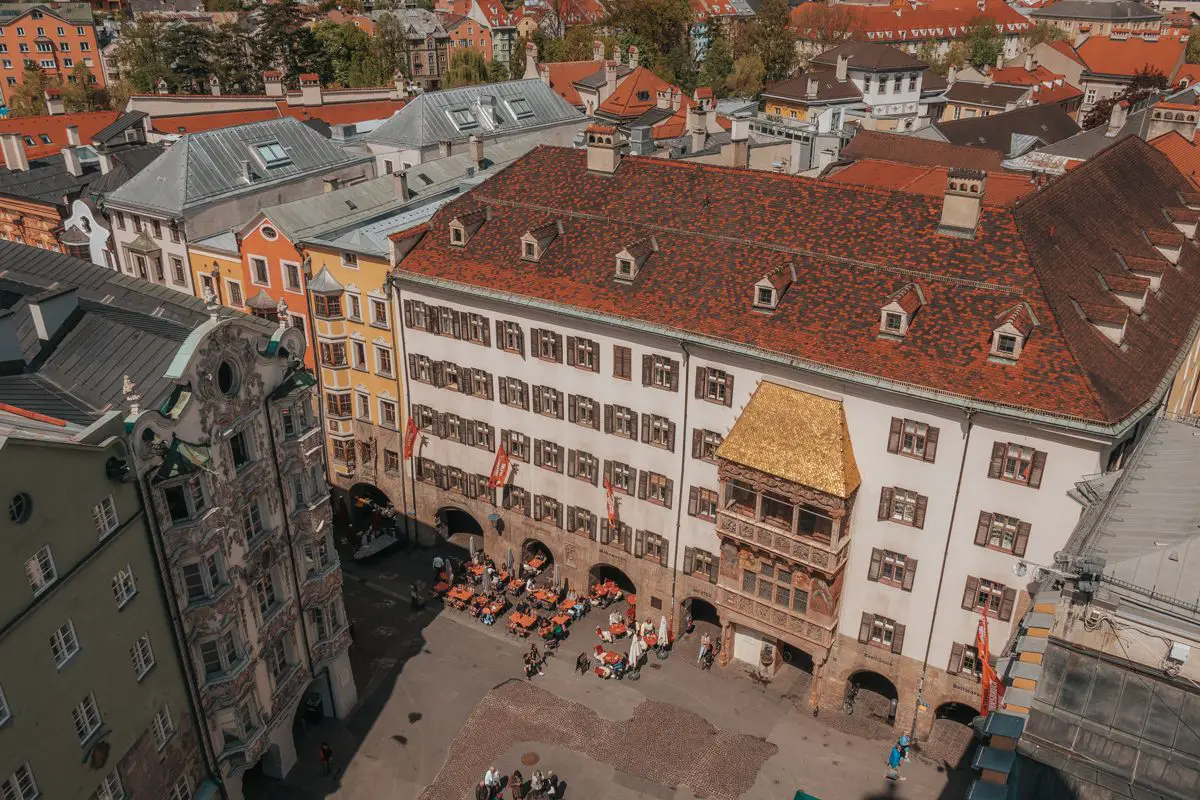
(746, 79)
(81, 94)
(283, 43)
(660, 29)
(141, 51)
(576, 45)
(1193, 50)
(1145, 82)
(234, 68)
(390, 47)
(467, 68)
(29, 99)
(985, 44)
(773, 40)
(941, 63)
(343, 55)
(717, 65)
(187, 50)
(516, 59)
(1044, 32)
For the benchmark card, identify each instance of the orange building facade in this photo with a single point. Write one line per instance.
(273, 272)
(29, 222)
(56, 40)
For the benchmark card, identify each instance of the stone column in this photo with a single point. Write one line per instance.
(726, 643)
(341, 685)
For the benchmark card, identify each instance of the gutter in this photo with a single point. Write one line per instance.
(1071, 423)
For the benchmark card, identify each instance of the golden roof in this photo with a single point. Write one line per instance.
(797, 436)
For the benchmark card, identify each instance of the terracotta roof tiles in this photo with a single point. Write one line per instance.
(1107, 56)
(54, 128)
(910, 150)
(1184, 154)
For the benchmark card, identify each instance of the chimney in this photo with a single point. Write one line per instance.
(981, 5)
(676, 99)
(162, 87)
(13, 148)
(662, 99)
(50, 309)
(248, 171)
(544, 73)
(214, 85)
(597, 50)
(989, 79)
(71, 161)
(813, 86)
(273, 83)
(843, 64)
(1029, 62)
(476, 146)
(531, 65)
(310, 89)
(633, 56)
(1000, 60)
(697, 127)
(610, 78)
(641, 140)
(445, 148)
(616, 54)
(401, 84)
(106, 163)
(329, 185)
(401, 179)
(603, 149)
(73, 136)
(54, 102)
(962, 202)
(737, 152)
(1116, 118)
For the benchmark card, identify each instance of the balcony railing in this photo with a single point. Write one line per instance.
(815, 629)
(809, 551)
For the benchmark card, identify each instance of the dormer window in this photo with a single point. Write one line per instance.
(766, 297)
(463, 119)
(893, 322)
(1006, 345)
(456, 234)
(537, 240)
(897, 313)
(631, 260)
(1012, 331)
(625, 268)
(770, 288)
(272, 154)
(463, 227)
(531, 251)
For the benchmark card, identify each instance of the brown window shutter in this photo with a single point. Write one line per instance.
(645, 428)
(500, 334)
(528, 500)
(729, 389)
(697, 440)
(486, 330)
(956, 658)
(506, 498)
(864, 627)
(997, 462)
(558, 347)
(537, 399)
(572, 461)
(885, 503)
(595, 356)
(931, 437)
(701, 380)
(468, 434)
(876, 564)
(689, 560)
(608, 469)
(558, 515)
(670, 492)
(572, 407)
(504, 391)
(643, 484)
(537, 507)
(608, 418)
(537, 452)
(466, 380)
(412, 366)
(647, 369)
(983, 529)
(894, 435)
(664, 550)
(535, 343)
(919, 513)
(559, 395)
(490, 392)
(673, 376)
(520, 342)
(524, 394)
(639, 548)
(671, 436)
(439, 374)
(408, 313)
(693, 500)
(458, 319)
(1022, 538)
(571, 351)
(1006, 604)
(604, 531)
(910, 573)
(1037, 468)
(897, 638)
(595, 405)
(970, 591)
(571, 518)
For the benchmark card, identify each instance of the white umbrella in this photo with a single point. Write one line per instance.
(635, 651)
(509, 561)
(662, 632)
(486, 582)
(471, 545)
(449, 572)
(556, 573)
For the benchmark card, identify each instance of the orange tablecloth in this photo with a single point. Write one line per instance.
(537, 562)
(611, 658)
(476, 569)
(543, 596)
(441, 587)
(561, 619)
(631, 599)
(494, 609)
(524, 620)
(617, 630)
(650, 639)
(566, 605)
(460, 593)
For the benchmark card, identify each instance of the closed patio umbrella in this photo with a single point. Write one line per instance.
(556, 573)
(662, 630)
(509, 560)
(635, 650)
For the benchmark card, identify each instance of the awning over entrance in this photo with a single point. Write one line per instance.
(797, 436)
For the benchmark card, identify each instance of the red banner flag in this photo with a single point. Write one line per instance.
(499, 469)
(990, 681)
(410, 437)
(612, 502)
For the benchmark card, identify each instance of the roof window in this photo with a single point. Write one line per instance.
(536, 240)
(272, 154)
(1011, 332)
(631, 260)
(897, 313)
(520, 108)
(463, 227)
(463, 119)
(770, 288)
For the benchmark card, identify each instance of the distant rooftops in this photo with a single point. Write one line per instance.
(1097, 10)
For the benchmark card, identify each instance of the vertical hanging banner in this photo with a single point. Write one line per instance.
(499, 469)
(612, 502)
(410, 437)
(990, 682)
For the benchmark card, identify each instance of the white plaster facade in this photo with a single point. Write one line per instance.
(86, 218)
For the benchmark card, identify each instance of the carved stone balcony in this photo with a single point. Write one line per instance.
(209, 616)
(785, 623)
(285, 692)
(245, 753)
(809, 551)
(329, 649)
(229, 688)
(281, 618)
(303, 448)
(307, 519)
(321, 587)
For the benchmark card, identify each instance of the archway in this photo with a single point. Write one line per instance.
(536, 554)
(952, 737)
(873, 695)
(314, 708)
(698, 617)
(600, 573)
(369, 505)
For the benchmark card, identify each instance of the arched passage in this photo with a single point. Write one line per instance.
(952, 736)
(459, 526)
(368, 504)
(961, 713)
(702, 611)
(536, 554)
(600, 573)
(871, 694)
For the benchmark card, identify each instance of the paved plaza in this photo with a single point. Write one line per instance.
(442, 698)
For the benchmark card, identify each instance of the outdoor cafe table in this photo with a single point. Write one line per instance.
(524, 620)
(543, 596)
(476, 569)
(566, 605)
(516, 585)
(608, 657)
(495, 608)
(561, 619)
(460, 593)
(650, 639)
(537, 562)
(617, 630)
(441, 587)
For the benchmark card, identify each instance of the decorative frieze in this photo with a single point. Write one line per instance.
(329, 649)
(784, 622)
(231, 689)
(322, 587)
(806, 553)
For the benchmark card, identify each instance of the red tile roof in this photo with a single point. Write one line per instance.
(909, 150)
(1106, 56)
(676, 124)
(343, 113)
(1184, 154)
(563, 75)
(937, 19)
(55, 127)
(1001, 189)
(635, 94)
(716, 227)
(1187, 75)
(195, 123)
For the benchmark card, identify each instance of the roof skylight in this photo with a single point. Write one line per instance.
(272, 154)
(463, 119)
(520, 108)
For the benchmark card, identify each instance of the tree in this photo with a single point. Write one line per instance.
(746, 79)
(29, 99)
(575, 46)
(344, 54)
(281, 40)
(1145, 82)
(222, 5)
(660, 29)
(717, 66)
(467, 68)
(773, 39)
(142, 54)
(391, 46)
(1193, 50)
(823, 26)
(234, 69)
(985, 44)
(954, 57)
(188, 51)
(516, 59)
(497, 71)
(81, 93)
(1044, 32)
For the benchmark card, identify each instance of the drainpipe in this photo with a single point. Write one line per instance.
(937, 598)
(211, 768)
(682, 486)
(402, 361)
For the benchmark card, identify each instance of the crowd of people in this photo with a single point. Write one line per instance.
(540, 786)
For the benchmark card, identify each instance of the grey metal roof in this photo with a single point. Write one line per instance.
(123, 326)
(75, 13)
(426, 120)
(1049, 123)
(118, 126)
(46, 181)
(204, 167)
(1099, 10)
(600, 77)
(126, 162)
(372, 239)
(312, 216)
(225, 241)
(417, 22)
(324, 283)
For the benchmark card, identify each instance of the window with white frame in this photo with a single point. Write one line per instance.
(111, 788)
(510, 337)
(235, 294)
(219, 655)
(40, 570)
(662, 372)
(64, 644)
(240, 448)
(202, 578)
(658, 489)
(105, 515)
(252, 520)
(622, 477)
(163, 727)
(21, 786)
(87, 718)
(358, 354)
(624, 422)
(318, 556)
(379, 312)
(259, 274)
(141, 655)
(239, 724)
(291, 277)
(362, 406)
(124, 586)
(185, 500)
(326, 621)
(276, 656)
(388, 414)
(264, 591)
(383, 361)
(660, 432)
(180, 790)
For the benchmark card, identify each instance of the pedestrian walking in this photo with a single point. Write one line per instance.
(326, 755)
(704, 645)
(482, 792)
(438, 566)
(893, 763)
(517, 785)
(416, 598)
(492, 779)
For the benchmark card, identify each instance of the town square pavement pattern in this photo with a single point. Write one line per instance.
(442, 699)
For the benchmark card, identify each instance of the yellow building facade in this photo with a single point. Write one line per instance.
(216, 266)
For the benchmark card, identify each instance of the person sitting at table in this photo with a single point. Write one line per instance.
(487, 618)
(614, 619)
(558, 632)
(605, 636)
(529, 584)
